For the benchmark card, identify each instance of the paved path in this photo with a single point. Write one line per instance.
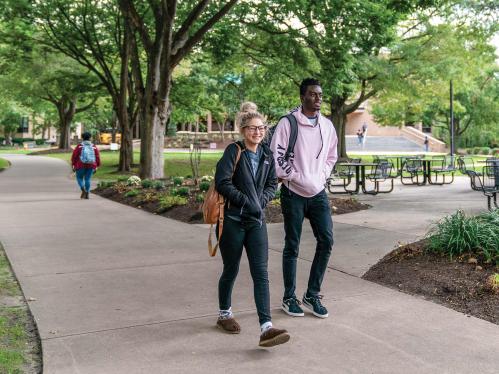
(118, 290)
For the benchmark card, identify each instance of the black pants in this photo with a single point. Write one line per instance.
(254, 238)
(294, 209)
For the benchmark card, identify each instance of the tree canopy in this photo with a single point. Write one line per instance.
(158, 62)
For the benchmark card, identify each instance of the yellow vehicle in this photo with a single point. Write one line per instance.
(105, 137)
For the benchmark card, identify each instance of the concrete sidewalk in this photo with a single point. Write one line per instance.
(118, 290)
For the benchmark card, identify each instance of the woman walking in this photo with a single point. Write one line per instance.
(247, 186)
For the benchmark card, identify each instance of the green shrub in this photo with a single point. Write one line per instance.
(183, 191)
(469, 151)
(174, 191)
(476, 150)
(132, 193)
(105, 184)
(158, 185)
(177, 181)
(485, 151)
(168, 201)
(21, 140)
(2, 139)
(204, 186)
(147, 183)
(200, 198)
(40, 141)
(122, 178)
(458, 234)
(495, 152)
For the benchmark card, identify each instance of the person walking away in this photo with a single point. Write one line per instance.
(85, 161)
(426, 143)
(303, 195)
(360, 136)
(247, 186)
(364, 134)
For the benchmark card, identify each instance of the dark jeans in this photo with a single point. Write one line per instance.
(254, 238)
(294, 209)
(83, 177)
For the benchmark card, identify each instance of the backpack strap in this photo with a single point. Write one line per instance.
(293, 135)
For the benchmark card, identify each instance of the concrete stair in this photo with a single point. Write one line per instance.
(383, 144)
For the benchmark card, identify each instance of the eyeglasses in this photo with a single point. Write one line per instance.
(254, 128)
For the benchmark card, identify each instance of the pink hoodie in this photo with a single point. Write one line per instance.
(314, 154)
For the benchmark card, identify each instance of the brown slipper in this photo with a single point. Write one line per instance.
(229, 325)
(273, 337)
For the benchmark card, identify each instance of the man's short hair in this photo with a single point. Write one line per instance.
(86, 135)
(308, 82)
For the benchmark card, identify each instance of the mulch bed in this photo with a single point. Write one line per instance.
(460, 284)
(191, 213)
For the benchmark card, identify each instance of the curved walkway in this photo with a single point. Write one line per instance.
(118, 290)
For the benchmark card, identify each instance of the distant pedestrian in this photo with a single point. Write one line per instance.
(360, 136)
(426, 144)
(85, 161)
(364, 133)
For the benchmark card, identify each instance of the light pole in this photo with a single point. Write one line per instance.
(452, 145)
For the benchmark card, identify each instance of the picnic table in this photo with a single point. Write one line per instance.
(359, 169)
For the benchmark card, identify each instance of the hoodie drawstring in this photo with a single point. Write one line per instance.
(322, 140)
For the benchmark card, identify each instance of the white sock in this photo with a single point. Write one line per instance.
(225, 314)
(266, 326)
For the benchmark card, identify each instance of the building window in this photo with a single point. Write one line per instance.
(24, 127)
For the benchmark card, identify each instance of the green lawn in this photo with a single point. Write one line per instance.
(14, 150)
(3, 163)
(18, 348)
(176, 164)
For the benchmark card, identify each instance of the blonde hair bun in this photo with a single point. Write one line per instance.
(246, 107)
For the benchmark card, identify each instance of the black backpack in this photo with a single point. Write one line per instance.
(292, 135)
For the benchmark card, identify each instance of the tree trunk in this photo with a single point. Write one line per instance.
(65, 130)
(154, 125)
(339, 119)
(66, 110)
(114, 126)
(126, 149)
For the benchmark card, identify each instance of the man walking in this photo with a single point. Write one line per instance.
(303, 173)
(85, 161)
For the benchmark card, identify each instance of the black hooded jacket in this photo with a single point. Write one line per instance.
(246, 195)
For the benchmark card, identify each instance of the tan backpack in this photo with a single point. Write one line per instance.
(213, 209)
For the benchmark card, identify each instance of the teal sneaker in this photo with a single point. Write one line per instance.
(292, 307)
(314, 304)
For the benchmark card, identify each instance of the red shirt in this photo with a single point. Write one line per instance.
(76, 162)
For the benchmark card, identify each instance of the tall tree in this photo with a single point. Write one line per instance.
(168, 31)
(10, 120)
(56, 79)
(419, 90)
(342, 43)
(97, 37)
